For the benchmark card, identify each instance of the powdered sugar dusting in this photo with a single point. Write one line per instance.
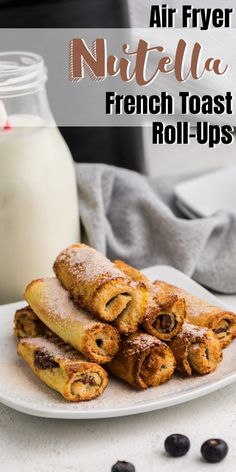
(53, 346)
(140, 342)
(86, 263)
(59, 304)
(191, 330)
(19, 384)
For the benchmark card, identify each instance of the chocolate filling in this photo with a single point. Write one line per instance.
(223, 329)
(121, 295)
(99, 342)
(43, 360)
(88, 379)
(25, 325)
(165, 323)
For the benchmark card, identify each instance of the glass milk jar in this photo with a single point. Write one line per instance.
(38, 196)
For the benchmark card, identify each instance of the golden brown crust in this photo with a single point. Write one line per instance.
(165, 311)
(26, 323)
(86, 274)
(54, 307)
(133, 273)
(196, 349)
(101, 287)
(202, 313)
(165, 314)
(62, 368)
(129, 321)
(143, 361)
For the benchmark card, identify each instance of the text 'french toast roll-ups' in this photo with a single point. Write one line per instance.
(102, 288)
(143, 361)
(27, 323)
(202, 313)
(165, 311)
(196, 349)
(55, 308)
(62, 368)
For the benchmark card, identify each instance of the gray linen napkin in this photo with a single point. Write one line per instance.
(133, 217)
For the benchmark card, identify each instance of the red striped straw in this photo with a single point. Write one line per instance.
(4, 121)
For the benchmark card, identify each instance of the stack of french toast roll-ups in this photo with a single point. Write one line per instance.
(96, 313)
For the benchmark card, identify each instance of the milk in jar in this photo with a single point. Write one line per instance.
(38, 196)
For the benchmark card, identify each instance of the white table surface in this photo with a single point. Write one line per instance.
(48, 445)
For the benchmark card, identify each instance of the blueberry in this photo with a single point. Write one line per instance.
(122, 466)
(177, 445)
(214, 450)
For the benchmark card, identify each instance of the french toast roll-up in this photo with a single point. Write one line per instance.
(165, 311)
(54, 307)
(196, 350)
(97, 285)
(202, 313)
(62, 368)
(165, 314)
(143, 361)
(27, 323)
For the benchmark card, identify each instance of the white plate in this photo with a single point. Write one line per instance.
(21, 390)
(205, 195)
